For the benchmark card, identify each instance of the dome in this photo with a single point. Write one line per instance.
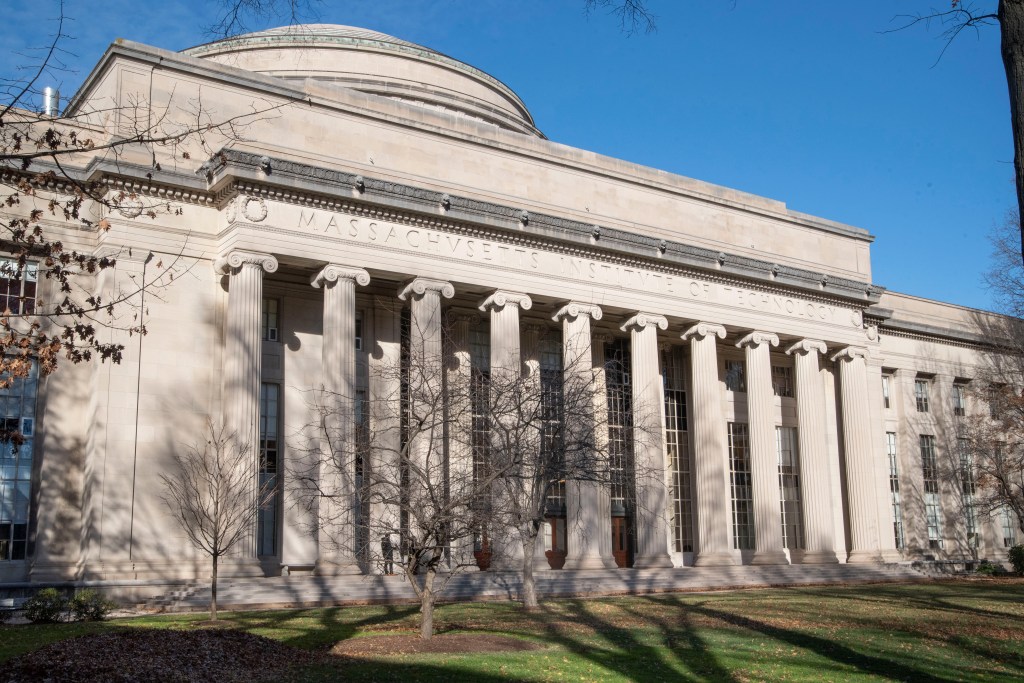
(377, 64)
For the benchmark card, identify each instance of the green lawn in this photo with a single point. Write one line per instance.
(948, 631)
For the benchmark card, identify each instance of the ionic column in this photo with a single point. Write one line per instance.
(815, 488)
(763, 457)
(587, 516)
(505, 387)
(426, 466)
(857, 439)
(243, 351)
(714, 519)
(338, 505)
(649, 441)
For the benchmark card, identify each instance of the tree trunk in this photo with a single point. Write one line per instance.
(427, 605)
(529, 581)
(1011, 29)
(213, 591)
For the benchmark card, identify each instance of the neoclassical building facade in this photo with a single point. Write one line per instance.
(371, 195)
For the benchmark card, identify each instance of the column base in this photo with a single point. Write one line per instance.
(336, 567)
(714, 560)
(819, 557)
(764, 557)
(864, 557)
(891, 556)
(659, 561)
(589, 562)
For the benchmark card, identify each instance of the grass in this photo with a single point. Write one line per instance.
(931, 632)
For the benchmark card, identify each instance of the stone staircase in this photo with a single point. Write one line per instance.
(311, 591)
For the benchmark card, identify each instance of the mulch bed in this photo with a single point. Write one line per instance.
(446, 643)
(216, 654)
(158, 655)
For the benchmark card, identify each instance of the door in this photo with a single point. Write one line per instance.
(620, 542)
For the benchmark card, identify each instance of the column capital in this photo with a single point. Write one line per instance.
(850, 352)
(640, 321)
(701, 330)
(805, 346)
(499, 299)
(758, 338)
(231, 262)
(574, 309)
(333, 272)
(419, 286)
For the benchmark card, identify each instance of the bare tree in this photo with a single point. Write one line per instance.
(633, 15)
(214, 497)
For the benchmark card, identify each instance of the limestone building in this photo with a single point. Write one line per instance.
(803, 411)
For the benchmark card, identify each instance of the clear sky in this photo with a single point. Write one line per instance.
(806, 102)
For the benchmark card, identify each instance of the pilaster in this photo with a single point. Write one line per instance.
(711, 472)
(649, 441)
(764, 459)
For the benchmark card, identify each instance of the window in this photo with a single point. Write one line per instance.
(921, 394)
(1009, 530)
(959, 400)
(270, 320)
(782, 381)
(887, 391)
(19, 405)
(742, 491)
(619, 384)
(480, 382)
(932, 510)
(995, 399)
(672, 371)
(789, 488)
(269, 467)
(967, 488)
(551, 414)
(17, 286)
(735, 376)
(359, 332)
(894, 489)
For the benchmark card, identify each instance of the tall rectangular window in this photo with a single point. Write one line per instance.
(1009, 528)
(742, 490)
(782, 381)
(17, 286)
(789, 488)
(672, 374)
(619, 384)
(921, 394)
(959, 400)
(735, 376)
(480, 396)
(930, 476)
(887, 391)
(18, 402)
(967, 489)
(270, 319)
(551, 414)
(894, 490)
(269, 468)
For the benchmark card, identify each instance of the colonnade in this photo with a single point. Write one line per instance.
(588, 505)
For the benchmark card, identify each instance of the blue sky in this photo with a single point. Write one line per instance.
(806, 102)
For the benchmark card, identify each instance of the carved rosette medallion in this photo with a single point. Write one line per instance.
(130, 207)
(254, 208)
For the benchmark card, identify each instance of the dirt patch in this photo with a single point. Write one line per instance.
(447, 643)
(167, 656)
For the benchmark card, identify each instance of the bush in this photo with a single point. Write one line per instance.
(987, 568)
(90, 605)
(1016, 556)
(48, 606)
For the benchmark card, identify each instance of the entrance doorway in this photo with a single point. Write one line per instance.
(622, 542)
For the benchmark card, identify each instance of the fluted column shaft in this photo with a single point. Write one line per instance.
(603, 492)
(243, 351)
(339, 500)
(709, 448)
(857, 440)
(586, 524)
(649, 441)
(532, 398)
(505, 387)
(763, 456)
(815, 488)
(459, 405)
